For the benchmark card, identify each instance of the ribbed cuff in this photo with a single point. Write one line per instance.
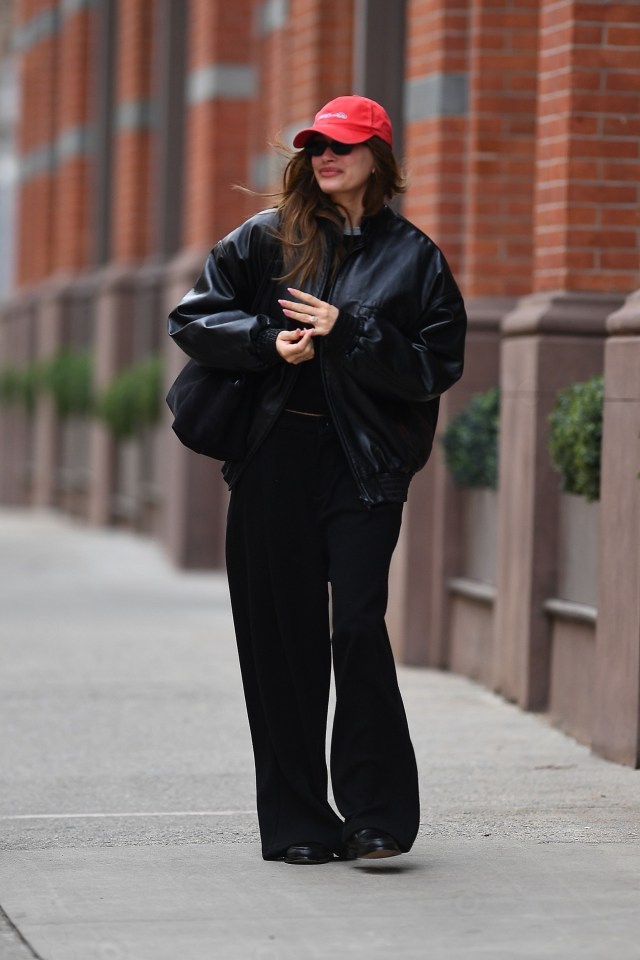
(267, 345)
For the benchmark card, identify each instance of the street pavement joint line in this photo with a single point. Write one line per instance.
(98, 816)
(8, 922)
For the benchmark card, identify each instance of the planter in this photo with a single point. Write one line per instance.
(472, 595)
(480, 534)
(573, 617)
(73, 473)
(578, 550)
(137, 490)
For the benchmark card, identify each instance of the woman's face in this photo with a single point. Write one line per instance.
(344, 178)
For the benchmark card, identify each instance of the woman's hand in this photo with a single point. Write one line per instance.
(310, 310)
(295, 346)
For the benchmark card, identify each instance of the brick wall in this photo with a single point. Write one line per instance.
(221, 81)
(132, 170)
(304, 59)
(522, 127)
(588, 185)
(436, 110)
(319, 56)
(501, 147)
(72, 247)
(37, 41)
(254, 70)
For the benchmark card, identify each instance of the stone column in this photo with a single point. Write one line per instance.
(470, 103)
(217, 111)
(142, 468)
(549, 342)
(51, 337)
(616, 722)
(582, 270)
(436, 115)
(129, 222)
(17, 328)
(113, 350)
(76, 433)
(194, 495)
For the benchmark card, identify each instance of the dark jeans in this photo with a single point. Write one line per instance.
(295, 524)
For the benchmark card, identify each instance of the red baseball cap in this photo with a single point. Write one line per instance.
(349, 120)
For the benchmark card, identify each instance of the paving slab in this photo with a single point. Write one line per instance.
(127, 822)
(448, 899)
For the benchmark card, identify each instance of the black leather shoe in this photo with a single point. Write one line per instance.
(371, 844)
(308, 853)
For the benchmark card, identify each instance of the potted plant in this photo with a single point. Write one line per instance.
(575, 444)
(132, 401)
(470, 443)
(575, 437)
(19, 386)
(130, 407)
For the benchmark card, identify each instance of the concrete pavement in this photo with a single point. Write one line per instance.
(127, 824)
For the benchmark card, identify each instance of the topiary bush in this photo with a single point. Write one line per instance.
(575, 437)
(470, 442)
(133, 400)
(68, 376)
(9, 385)
(20, 385)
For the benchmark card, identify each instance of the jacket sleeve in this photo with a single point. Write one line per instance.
(412, 362)
(215, 322)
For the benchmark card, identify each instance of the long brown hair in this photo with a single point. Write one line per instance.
(302, 206)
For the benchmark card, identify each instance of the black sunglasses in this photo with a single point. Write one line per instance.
(317, 146)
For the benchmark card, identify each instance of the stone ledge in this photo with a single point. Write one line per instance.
(472, 589)
(626, 320)
(569, 610)
(487, 313)
(562, 313)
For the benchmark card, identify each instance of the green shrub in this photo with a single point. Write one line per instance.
(9, 385)
(133, 400)
(470, 442)
(575, 438)
(68, 376)
(20, 385)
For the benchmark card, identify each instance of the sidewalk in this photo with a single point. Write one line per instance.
(127, 824)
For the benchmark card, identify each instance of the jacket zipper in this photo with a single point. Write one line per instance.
(332, 408)
(263, 436)
(363, 493)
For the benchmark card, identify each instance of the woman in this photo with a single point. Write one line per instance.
(350, 324)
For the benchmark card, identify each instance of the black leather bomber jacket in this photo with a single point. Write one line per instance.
(396, 346)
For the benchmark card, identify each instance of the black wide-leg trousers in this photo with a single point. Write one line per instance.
(296, 524)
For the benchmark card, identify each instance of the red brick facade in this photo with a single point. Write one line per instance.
(529, 179)
(437, 45)
(501, 147)
(519, 125)
(588, 161)
(72, 191)
(217, 131)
